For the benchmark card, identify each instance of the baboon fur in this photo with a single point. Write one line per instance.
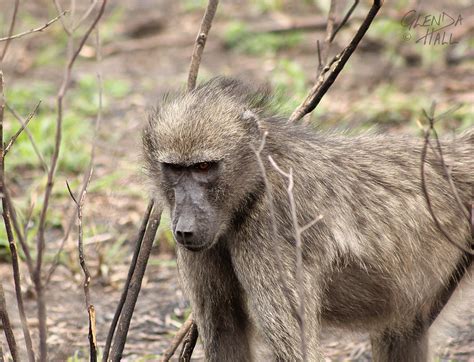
(375, 262)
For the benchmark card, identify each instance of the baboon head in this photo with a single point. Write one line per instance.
(199, 158)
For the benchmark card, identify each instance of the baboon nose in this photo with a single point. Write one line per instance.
(184, 236)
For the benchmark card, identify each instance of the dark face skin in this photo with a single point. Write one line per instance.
(191, 193)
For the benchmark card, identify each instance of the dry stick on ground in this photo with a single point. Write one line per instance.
(424, 187)
(10, 30)
(189, 343)
(40, 245)
(87, 276)
(177, 339)
(123, 297)
(6, 212)
(299, 249)
(7, 327)
(201, 42)
(319, 89)
(35, 30)
(135, 284)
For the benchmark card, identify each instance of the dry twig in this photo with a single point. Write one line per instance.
(35, 30)
(439, 154)
(299, 249)
(82, 261)
(30, 136)
(201, 42)
(22, 128)
(10, 30)
(177, 339)
(189, 343)
(7, 327)
(135, 284)
(322, 85)
(268, 187)
(6, 213)
(40, 245)
(126, 287)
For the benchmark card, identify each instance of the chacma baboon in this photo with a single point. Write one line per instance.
(374, 262)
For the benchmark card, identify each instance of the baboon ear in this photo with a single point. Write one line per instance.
(252, 122)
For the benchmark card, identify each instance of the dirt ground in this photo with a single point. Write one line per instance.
(155, 59)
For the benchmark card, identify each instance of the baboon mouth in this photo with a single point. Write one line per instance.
(195, 248)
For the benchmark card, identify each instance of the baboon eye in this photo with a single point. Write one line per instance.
(202, 166)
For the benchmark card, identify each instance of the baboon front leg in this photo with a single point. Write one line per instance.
(216, 304)
(395, 346)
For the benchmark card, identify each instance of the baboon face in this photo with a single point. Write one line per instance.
(198, 150)
(195, 212)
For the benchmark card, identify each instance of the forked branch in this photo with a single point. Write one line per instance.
(338, 62)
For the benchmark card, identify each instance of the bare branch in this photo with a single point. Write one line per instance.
(7, 327)
(82, 261)
(424, 186)
(268, 187)
(135, 284)
(321, 87)
(6, 212)
(23, 126)
(299, 253)
(40, 245)
(329, 32)
(344, 20)
(21, 235)
(35, 30)
(86, 15)
(60, 11)
(201, 42)
(189, 343)
(123, 297)
(177, 339)
(10, 31)
(30, 136)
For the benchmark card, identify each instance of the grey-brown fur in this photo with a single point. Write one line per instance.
(375, 262)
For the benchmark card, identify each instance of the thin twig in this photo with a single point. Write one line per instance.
(344, 20)
(268, 187)
(30, 136)
(82, 261)
(85, 15)
(6, 212)
(201, 42)
(7, 326)
(21, 234)
(329, 32)
(447, 172)
(40, 245)
(35, 30)
(424, 186)
(123, 297)
(60, 11)
(135, 284)
(10, 30)
(299, 253)
(320, 88)
(189, 343)
(177, 339)
(22, 128)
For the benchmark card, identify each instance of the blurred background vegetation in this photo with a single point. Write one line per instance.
(146, 47)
